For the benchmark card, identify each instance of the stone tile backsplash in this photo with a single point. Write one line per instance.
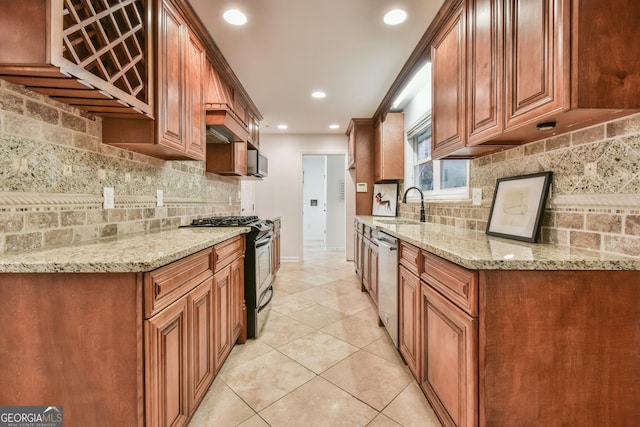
(53, 167)
(595, 201)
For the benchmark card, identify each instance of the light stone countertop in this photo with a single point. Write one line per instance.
(477, 250)
(126, 254)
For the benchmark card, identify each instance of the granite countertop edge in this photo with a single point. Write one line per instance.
(478, 251)
(126, 254)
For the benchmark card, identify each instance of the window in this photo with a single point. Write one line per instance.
(438, 179)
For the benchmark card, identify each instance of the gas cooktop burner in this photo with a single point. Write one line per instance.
(224, 221)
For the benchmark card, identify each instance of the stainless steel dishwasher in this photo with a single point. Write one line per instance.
(388, 283)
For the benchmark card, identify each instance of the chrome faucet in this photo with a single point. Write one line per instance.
(404, 200)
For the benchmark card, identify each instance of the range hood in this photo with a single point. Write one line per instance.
(223, 125)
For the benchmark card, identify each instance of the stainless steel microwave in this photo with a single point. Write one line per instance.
(257, 164)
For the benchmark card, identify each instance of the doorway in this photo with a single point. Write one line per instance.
(323, 200)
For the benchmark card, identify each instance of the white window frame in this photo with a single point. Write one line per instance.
(437, 194)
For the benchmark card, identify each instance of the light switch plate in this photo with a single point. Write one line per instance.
(477, 196)
(361, 187)
(108, 198)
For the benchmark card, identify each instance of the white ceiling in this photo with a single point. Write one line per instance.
(290, 48)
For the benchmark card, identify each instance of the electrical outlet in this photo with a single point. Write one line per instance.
(477, 196)
(67, 170)
(102, 174)
(159, 198)
(24, 165)
(591, 169)
(109, 198)
(127, 177)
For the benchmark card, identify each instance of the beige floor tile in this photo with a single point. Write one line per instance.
(265, 379)
(384, 348)
(281, 329)
(318, 403)
(383, 421)
(317, 279)
(318, 351)
(370, 314)
(411, 408)
(242, 353)
(221, 407)
(355, 331)
(292, 286)
(289, 303)
(318, 316)
(350, 303)
(341, 287)
(254, 421)
(317, 294)
(369, 378)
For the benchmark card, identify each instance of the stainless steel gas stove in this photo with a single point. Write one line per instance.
(258, 283)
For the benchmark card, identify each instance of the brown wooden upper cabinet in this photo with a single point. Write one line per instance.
(389, 148)
(178, 130)
(92, 58)
(534, 68)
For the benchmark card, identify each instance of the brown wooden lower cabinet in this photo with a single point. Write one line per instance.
(506, 348)
(409, 319)
(127, 349)
(167, 354)
(449, 359)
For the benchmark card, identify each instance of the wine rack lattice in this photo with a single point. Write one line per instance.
(107, 38)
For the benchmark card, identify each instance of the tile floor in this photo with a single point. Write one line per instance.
(321, 360)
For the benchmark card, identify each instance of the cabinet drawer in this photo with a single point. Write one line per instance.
(227, 251)
(410, 257)
(166, 284)
(456, 283)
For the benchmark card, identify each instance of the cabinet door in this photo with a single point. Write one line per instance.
(373, 272)
(194, 94)
(358, 249)
(171, 41)
(222, 315)
(409, 319)
(237, 308)
(201, 362)
(240, 158)
(484, 73)
(366, 264)
(536, 59)
(448, 77)
(449, 371)
(389, 148)
(166, 366)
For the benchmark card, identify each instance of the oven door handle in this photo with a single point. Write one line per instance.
(260, 304)
(264, 240)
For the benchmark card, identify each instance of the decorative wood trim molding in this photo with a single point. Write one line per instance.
(14, 199)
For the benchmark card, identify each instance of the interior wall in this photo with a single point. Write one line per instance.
(336, 226)
(53, 167)
(280, 194)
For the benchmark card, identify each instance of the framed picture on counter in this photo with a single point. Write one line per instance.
(385, 199)
(517, 206)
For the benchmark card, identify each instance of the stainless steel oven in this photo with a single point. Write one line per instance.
(263, 283)
(258, 280)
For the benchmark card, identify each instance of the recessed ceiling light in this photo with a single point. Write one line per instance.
(283, 127)
(395, 17)
(235, 17)
(318, 94)
(334, 126)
